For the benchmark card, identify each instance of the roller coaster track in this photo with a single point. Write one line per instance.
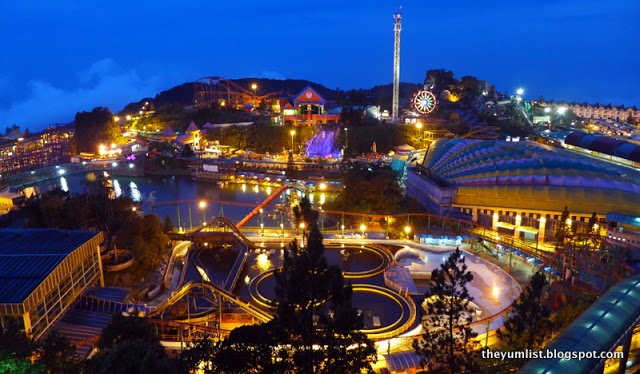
(216, 221)
(186, 289)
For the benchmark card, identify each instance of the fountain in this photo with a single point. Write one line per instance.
(323, 145)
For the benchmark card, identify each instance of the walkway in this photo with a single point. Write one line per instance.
(261, 206)
(605, 325)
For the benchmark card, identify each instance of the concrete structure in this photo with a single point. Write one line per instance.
(43, 271)
(520, 187)
(307, 109)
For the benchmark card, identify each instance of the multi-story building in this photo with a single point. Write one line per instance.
(43, 271)
(50, 147)
(597, 111)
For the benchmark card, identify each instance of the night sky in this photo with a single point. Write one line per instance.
(59, 57)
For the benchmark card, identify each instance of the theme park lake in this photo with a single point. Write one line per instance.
(178, 196)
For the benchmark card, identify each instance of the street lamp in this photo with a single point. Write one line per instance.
(254, 88)
(407, 230)
(203, 205)
(520, 91)
(302, 226)
(363, 228)
(346, 137)
(292, 133)
(342, 228)
(262, 221)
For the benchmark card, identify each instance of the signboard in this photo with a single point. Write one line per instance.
(210, 168)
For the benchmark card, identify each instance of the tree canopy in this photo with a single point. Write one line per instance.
(93, 128)
(528, 324)
(446, 346)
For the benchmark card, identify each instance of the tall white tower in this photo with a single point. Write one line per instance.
(397, 27)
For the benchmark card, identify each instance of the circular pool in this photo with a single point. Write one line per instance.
(385, 312)
(357, 261)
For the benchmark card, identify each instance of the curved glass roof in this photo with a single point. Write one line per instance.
(600, 328)
(495, 164)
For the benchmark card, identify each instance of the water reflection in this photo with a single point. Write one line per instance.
(135, 192)
(63, 184)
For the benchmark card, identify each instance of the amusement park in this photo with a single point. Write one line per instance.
(276, 225)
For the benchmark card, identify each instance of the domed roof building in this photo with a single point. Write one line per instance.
(522, 180)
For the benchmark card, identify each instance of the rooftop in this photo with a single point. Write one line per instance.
(28, 256)
(490, 172)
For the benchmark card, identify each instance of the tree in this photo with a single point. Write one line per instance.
(14, 341)
(187, 151)
(168, 224)
(446, 345)
(57, 354)
(316, 328)
(93, 128)
(203, 350)
(563, 228)
(528, 324)
(130, 345)
(127, 328)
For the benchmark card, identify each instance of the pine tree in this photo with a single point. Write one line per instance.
(446, 345)
(528, 324)
(315, 309)
(316, 329)
(168, 224)
(563, 230)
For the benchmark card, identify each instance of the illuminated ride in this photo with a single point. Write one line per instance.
(424, 102)
(226, 93)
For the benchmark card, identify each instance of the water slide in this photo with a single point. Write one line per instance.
(264, 203)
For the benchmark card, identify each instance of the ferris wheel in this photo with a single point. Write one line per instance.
(424, 102)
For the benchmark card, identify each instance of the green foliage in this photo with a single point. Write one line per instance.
(563, 231)
(203, 350)
(528, 324)
(262, 138)
(93, 128)
(316, 327)
(130, 345)
(122, 328)
(58, 355)
(14, 341)
(187, 151)
(132, 356)
(168, 224)
(249, 349)
(145, 237)
(447, 343)
(9, 363)
(369, 190)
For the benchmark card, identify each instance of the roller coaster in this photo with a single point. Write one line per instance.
(223, 92)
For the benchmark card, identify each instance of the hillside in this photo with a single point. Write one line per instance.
(378, 95)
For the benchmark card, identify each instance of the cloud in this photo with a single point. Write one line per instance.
(102, 84)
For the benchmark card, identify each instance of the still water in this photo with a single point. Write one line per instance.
(178, 197)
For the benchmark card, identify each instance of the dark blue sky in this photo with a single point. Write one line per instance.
(59, 57)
